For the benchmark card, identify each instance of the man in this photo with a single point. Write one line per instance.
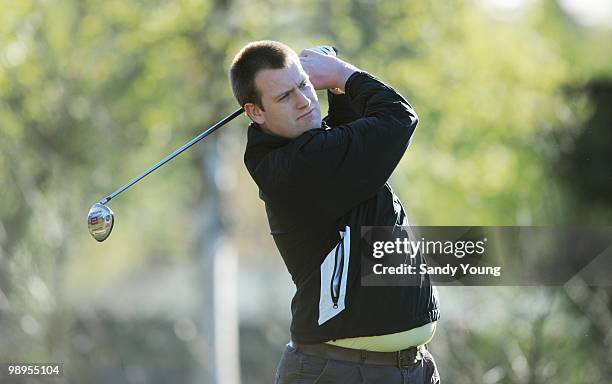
(321, 181)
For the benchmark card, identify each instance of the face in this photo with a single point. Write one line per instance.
(290, 103)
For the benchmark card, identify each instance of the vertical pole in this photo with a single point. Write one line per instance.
(219, 344)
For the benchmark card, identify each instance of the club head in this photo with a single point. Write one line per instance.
(100, 220)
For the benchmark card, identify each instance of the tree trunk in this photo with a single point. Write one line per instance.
(219, 342)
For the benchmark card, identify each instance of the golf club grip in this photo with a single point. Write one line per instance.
(173, 154)
(329, 50)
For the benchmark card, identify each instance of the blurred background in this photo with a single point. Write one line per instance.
(515, 106)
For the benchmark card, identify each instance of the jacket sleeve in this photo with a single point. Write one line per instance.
(336, 169)
(340, 110)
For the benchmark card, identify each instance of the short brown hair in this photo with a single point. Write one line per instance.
(251, 59)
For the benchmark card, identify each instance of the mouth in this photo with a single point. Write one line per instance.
(306, 114)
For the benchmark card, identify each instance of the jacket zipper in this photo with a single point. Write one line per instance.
(336, 280)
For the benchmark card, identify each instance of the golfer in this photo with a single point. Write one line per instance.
(321, 180)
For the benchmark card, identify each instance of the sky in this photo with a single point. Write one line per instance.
(588, 13)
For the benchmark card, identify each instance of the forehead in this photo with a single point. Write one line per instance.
(271, 82)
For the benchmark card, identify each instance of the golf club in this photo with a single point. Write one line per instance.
(101, 218)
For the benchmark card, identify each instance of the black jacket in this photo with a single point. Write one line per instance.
(319, 189)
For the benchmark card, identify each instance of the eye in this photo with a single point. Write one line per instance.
(283, 97)
(304, 84)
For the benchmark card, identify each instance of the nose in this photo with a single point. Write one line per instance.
(302, 100)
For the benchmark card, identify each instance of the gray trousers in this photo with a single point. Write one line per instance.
(300, 368)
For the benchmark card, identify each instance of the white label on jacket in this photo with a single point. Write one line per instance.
(327, 307)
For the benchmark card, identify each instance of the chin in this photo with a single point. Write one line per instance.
(314, 126)
(316, 122)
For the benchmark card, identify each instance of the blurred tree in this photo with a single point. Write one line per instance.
(584, 163)
(86, 83)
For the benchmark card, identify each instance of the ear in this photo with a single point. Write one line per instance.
(255, 113)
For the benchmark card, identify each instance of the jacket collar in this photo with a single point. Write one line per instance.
(256, 138)
(260, 143)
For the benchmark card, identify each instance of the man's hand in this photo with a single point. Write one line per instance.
(326, 72)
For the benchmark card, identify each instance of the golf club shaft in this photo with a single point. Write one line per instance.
(173, 155)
